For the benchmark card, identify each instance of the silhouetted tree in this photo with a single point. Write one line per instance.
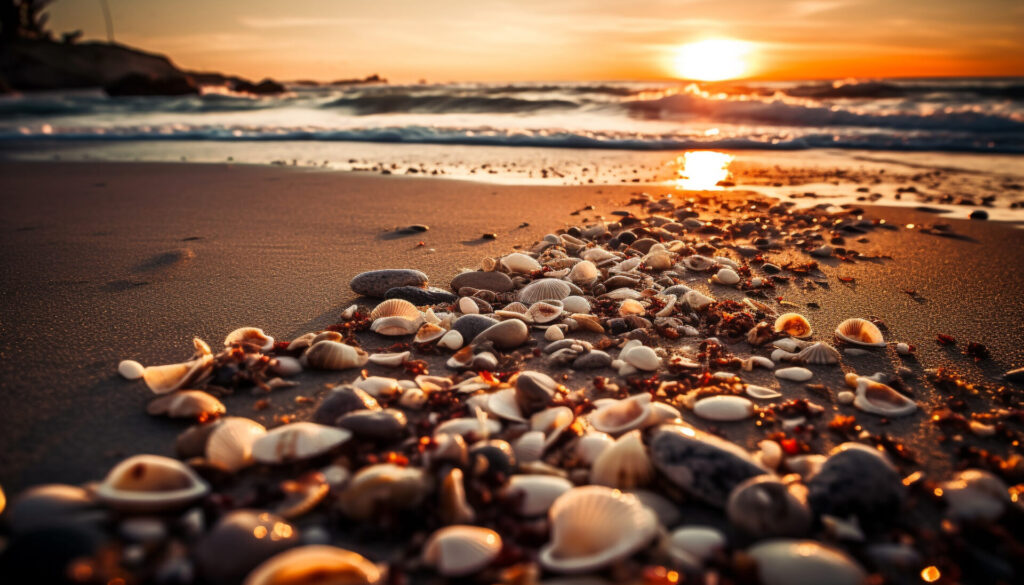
(24, 19)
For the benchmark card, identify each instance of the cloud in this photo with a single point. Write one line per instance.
(292, 22)
(812, 7)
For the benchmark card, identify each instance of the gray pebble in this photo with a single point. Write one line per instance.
(376, 283)
(420, 296)
(493, 281)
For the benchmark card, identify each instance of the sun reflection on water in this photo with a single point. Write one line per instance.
(702, 170)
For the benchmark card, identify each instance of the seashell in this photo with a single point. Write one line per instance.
(624, 465)
(726, 276)
(703, 466)
(529, 446)
(130, 369)
(857, 480)
(878, 398)
(761, 392)
(285, 366)
(326, 336)
(624, 293)
(659, 259)
(553, 333)
(794, 374)
(454, 507)
(241, 540)
(383, 486)
(757, 360)
(819, 353)
(301, 342)
(697, 300)
(150, 483)
(390, 360)
(468, 427)
(860, 332)
(382, 425)
(620, 416)
(315, 564)
(297, 441)
(626, 266)
(584, 273)
(396, 308)
(784, 562)
(590, 446)
(588, 322)
(770, 454)
(724, 408)
(333, 355)
(641, 357)
(171, 377)
(764, 507)
(692, 546)
(793, 325)
(595, 526)
(698, 263)
(230, 444)
(631, 307)
(468, 306)
(250, 336)
(597, 255)
(461, 550)
(504, 334)
(534, 494)
(788, 344)
(781, 355)
(187, 404)
(521, 263)
(545, 311)
(429, 332)
(544, 289)
(502, 404)
(516, 307)
(451, 339)
(670, 306)
(552, 421)
(534, 391)
(975, 495)
(342, 400)
(395, 326)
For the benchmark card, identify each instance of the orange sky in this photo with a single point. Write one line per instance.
(488, 40)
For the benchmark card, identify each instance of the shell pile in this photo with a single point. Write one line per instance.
(563, 410)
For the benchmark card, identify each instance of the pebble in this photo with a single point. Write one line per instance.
(769, 268)
(420, 296)
(505, 334)
(492, 281)
(592, 360)
(469, 326)
(130, 369)
(979, 214)
(376, 283)
(857, 480)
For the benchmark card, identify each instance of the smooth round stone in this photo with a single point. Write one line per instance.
(420, 296)
(492, 281)
(785, 562)
(505, 334)
(592, 360)
(130, 369)
(469, 326)
(376, 425)
(46, 505)
(376, 283)
(241, 540)
(858, 481)
(724, 408)
(341, 401)
(979, 214)
(763, 507)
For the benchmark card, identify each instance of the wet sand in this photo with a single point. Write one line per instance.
(104, 262)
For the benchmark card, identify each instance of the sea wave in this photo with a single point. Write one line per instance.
(441, 104)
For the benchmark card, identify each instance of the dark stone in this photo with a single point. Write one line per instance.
(375, 425)
(472, 325)
(265, 87)
(534, 391)
(769, 268)
(855, 481)
(341, 401)
(644, 245)
(979, 214)
(492, 458)
(421, 296)
(592, 360)
(141, 84)
(492, 281)
(45, 556)
(376, 283)
(1015, 375)
(626, 237)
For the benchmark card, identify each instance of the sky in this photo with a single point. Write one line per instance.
(568, 40)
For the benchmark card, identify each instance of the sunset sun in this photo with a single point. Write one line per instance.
(713, 60)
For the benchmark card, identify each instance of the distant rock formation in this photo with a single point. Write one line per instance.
(140, 84)
(28, 65)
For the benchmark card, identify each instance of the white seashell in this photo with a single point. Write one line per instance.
(451, 340)
(631, 307)
(793, 324)
(698, 263)
(468, 306)
(761, 392)
(623, 293)
(670, 306)
(315, 564)
(794, 374)
(545, 311)
(770, 454)
(171, 377)
(395, 326)
(529, 446)
(587, 322)
(149, 483)
(467, 426)
(251, 336)
(130, 369)
(903, 349)
(759, 361)
(378, 386)
(620, 416)
(544, 289)
(390, 360)
(975, 495)
(788, 344)
(726, 262)
(286, 366)
(590, 446)
(349, 312)
(641, 357)
(697, 300)
(395, 308)
(502, 404)
(781, 355)
(297, 441)
(519, 262)
(429, 316)
(658, 259)
(554, 333)
(333, 355)
(230, 444)
(878, 398)
(584, 273)
(785, 562)
(597, 255)
(819, 353)
(595, 526)
(624, 465)
(724, 408)
(429, 332)
(575, 304)
(413, 399)
(534, 494)
(627, 265)
(692, 546)
(302, 342)
(186, 404)
(860, 332)
(460, 550)
(726, 276)
(552, 421)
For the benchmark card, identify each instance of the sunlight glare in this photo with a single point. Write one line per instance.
(701, 170)
(713, 59)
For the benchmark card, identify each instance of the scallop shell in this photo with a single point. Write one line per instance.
(878, 398)
(692, 546)
(315, 564)
(545, 311)
(130, 369)
(544, 289)
(395, 308)
(724, 408)
(187, 404)
(297, 441)
(461, 550)
(819, 353)
(784, 562)
(519, 262)
(429, 332)
(252, 336)
(794, 374)
(534, 494)
(860, 332)
(150, 483)
(230, 444)
(620, 416)
(625, 465)
(594, 526)
(395, 326)
(793, 324)
(333, 355)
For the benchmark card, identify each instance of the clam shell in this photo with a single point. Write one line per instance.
(333, 355)
(519, 262)
(575, 304)
(383, 486)
(620, 416)
(171, 377)
(631, 307)
(794, 374)
(429, 332)
(286, 366)
(149, 483)
(545, 311)
(697, 300)
(552, 421)
(878, 398)
(819, 353)
(230, 444)
(860, 332)
(251, 336)
(641, 357)
(584, 273)
(597, 255)
(726, 276)
(297, 441)
(763, 507)
(502, 404)
(698, 263)
(186, 404)
(544, 289)
(529, 446)
(395, 326)
(590, 446)
(395, 308)
(468, 426)
(793, 324)
(461, 550)
(623, 293)
(595, 526)
(390, 360)
(451, 339)
(628, 265)
(315, 564)
(326, 336)
(588, 322)
(505, 334)
(660, 259)
(130, 369)
(301, 342)
(534, 494)
(784, 562)
(554, 333)
(624, 465)
(724, 408)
